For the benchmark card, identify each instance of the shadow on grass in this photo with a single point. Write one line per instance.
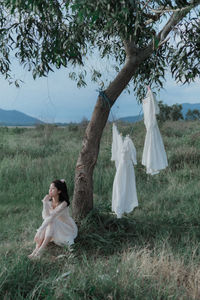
(101, 235)
(104, 234)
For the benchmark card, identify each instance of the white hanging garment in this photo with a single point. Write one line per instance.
(116, 146)
(154, 155)
(124, 195)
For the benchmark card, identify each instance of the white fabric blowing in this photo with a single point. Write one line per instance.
(124, 195)
(154, 155)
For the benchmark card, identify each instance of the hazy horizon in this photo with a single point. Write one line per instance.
(57, 98)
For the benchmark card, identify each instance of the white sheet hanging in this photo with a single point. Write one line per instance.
(154, 155)
(116, 145)
(124, 195)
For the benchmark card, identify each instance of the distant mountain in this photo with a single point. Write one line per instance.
(131, 119)
(185, 108)
(17, 118)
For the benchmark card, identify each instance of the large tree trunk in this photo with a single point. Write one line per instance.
(82, 202)
(83, 190)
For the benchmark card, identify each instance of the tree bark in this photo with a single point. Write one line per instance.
(83, 189)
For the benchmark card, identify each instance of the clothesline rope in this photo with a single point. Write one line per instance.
(106, 101)
(138, 119)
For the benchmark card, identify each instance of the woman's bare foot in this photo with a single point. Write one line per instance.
(37, 253)
(33, 253)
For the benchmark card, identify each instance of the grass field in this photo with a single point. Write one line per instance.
(151, 253)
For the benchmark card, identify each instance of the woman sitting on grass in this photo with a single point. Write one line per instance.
(57, 226)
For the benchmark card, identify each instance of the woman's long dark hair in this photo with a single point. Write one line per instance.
(62, 187)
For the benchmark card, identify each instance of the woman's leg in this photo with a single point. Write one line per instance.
(43, 245)
(46, 240)
(37, 246)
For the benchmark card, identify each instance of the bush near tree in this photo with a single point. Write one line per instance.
(193, 115)
(172, 113)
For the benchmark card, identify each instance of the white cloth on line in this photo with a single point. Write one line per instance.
(117, 142)
(124, 195)
(154, 156)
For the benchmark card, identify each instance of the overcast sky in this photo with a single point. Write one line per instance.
(57, 98)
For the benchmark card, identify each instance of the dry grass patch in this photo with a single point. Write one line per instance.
(181, 156)
(164, 270)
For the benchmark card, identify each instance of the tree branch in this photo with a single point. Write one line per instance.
(162, 10)
(167, 10)
(153, 18)
(174, 20)
(130, 49)
(161, 37)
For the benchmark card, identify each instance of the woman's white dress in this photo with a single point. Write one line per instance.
(124, 195)
(57, 224)
(154, 155)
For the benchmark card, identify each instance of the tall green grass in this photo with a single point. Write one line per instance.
(151, 253)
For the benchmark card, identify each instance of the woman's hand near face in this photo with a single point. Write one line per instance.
(47, 198)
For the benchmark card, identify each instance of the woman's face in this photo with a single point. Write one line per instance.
(53, 191)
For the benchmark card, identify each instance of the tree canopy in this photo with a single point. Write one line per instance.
(43, 34)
